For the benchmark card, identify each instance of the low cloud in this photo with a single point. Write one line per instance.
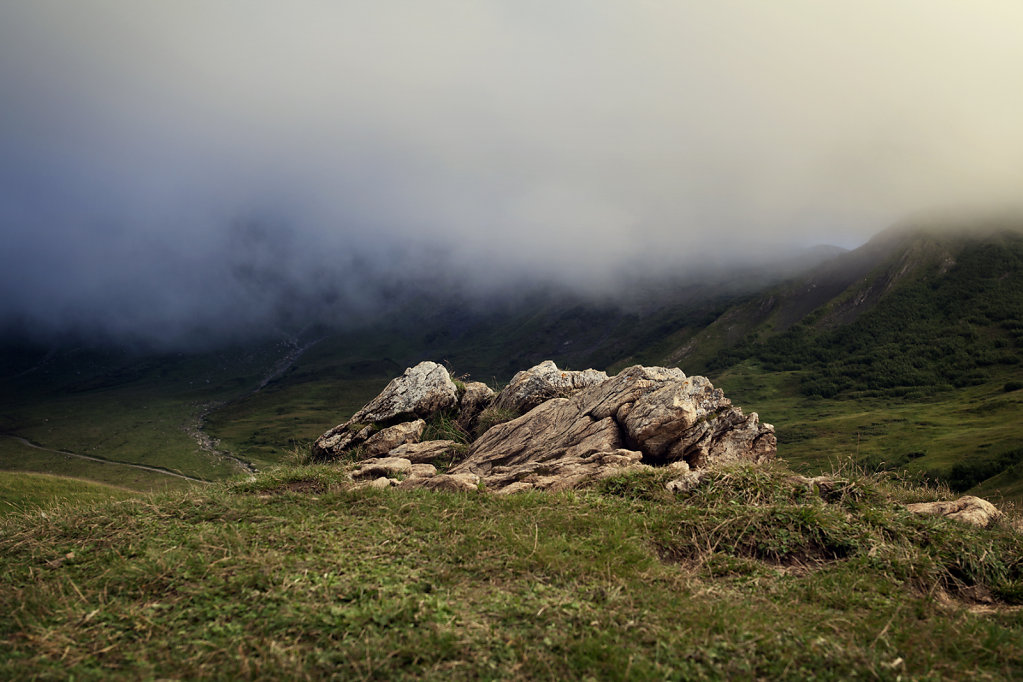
(168, 167)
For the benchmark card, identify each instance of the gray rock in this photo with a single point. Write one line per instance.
(422, 471)
(530, 387)
(426, 451)
(648, 415)
(457, 483)
(686, 480)
(335, 442)
(476, 398)
(387, 439)
(382, 467)
(421, 391)
(967, 509)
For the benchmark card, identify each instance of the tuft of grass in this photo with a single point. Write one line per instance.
(491, 417)
(444, 426)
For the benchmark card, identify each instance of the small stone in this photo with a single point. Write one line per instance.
(458, 483)
(422, 471)
(387, 439)
(383, 466)
(684, 483)
(424, 452)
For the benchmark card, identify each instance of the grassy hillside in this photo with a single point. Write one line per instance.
(954, 319)
(295, 575)
(16, 456)
(925, 378)
(23, 492)
(121, 407)
(963, 437)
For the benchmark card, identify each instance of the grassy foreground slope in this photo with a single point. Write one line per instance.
(24, 492)
(296, 575)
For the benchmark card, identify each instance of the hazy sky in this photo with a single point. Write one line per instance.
(171, 163)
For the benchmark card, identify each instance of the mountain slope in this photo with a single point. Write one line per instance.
(935, 311)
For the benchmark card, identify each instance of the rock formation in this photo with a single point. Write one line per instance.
(572, 428)
(421, 391)
(648, 415)
(576, 427)
(536, 385)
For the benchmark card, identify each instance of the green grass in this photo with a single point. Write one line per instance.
(137, 425)
(924, 436)
(16, 457)
(20, 492)
(124, 407)
(296, 575)
(269, 425)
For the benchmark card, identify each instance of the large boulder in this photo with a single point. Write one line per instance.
(649, 415)
(421, 391)
(536, 385)
(394, 417)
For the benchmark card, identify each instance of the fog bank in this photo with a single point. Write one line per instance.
(173, 166)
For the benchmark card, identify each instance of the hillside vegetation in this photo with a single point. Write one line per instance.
(297, 575)
(903, 354)
(950, 315)
(915, 365)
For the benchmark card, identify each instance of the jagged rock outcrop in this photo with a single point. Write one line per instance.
(394, 417)
(649, 415)
(578, 427)
(967, 509)
(536, 385)
(421, 391)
